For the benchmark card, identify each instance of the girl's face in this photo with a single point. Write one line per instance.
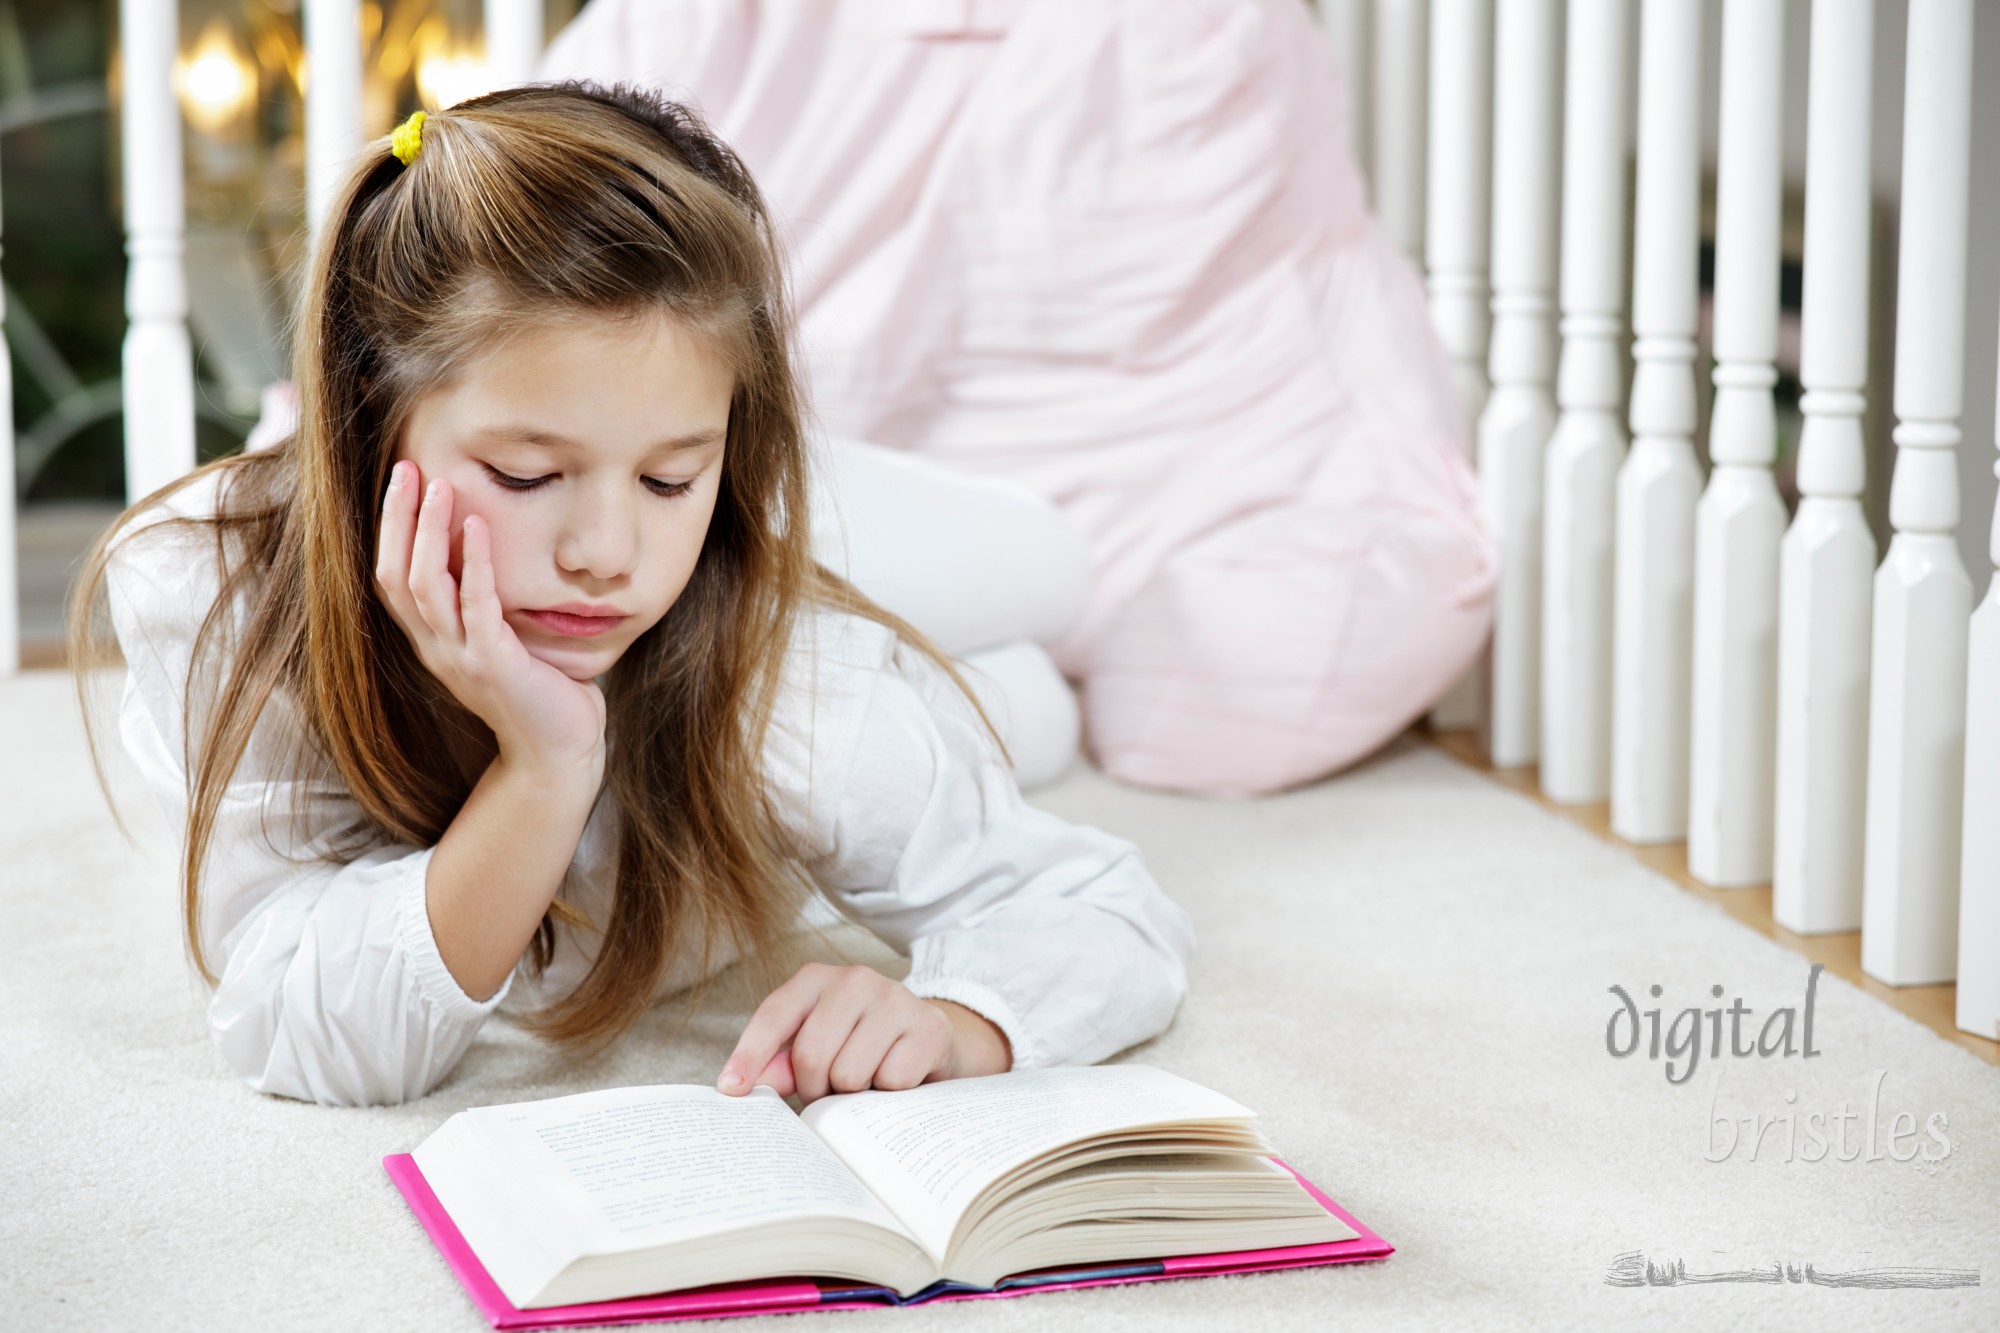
(592, 448)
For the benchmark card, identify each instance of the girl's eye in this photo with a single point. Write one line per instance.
(664, 489)
(513, 483)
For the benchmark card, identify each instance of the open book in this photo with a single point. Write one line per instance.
(946, 1187)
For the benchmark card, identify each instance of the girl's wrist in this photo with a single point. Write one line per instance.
(581, 774)
(978, 1046)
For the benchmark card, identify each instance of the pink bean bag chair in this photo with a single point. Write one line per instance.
(1117, 251)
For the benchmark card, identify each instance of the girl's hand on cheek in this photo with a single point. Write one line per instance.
(539, 715)
(841, 1029)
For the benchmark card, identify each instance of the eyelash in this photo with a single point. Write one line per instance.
(664, 489)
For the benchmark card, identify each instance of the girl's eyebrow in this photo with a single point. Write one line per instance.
(701, 439)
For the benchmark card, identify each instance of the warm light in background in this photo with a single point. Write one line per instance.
(446, 67)
(447, 77)
(215, 80)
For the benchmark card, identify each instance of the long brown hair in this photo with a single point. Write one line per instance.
(522, 204)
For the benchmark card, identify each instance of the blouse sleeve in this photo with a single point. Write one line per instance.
(1055, 932)
(331, 989)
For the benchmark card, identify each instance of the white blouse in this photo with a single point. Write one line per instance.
(332, 989)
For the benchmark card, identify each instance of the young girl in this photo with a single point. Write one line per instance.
(510, 673)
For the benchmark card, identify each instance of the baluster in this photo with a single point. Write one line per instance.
(1401, 29)
(1589, 440)
(1923, 597)
(333, 99)
(513, 41)
(1827, 561)
(1521, 411)
(10, 573)
(1460, 188)
(1740, 521)
(1456, 231)
(1979, 871)
(1660, 481)
(158, 367)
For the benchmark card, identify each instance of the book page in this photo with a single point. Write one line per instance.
(634, 1167)
(929, 1151)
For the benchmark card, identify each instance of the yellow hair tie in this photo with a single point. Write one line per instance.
(408, 138)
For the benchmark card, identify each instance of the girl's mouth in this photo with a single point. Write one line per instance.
(581, 627)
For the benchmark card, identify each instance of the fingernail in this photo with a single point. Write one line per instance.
(430, 492)
(730, 1080)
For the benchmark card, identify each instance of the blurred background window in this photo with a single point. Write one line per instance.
(240, 77)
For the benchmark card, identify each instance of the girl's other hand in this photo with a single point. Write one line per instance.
(841, 1029)
(539, 715)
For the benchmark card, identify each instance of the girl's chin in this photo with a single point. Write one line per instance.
(579, 663)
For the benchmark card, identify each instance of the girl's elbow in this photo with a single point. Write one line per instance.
(274, 1055)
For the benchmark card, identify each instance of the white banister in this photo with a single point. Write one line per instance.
(513, 41)
(333, 99)
(1457, 231)
(158, 359)
(1521, 411)
(1979, 870)
(10, 573)
(1589, 442)
(1401, 41)
(1827, 562)
(1460, 189)
(1740, 521)
(1923, 597)
(1659, 483)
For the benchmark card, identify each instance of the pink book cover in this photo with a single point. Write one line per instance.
(769, 1296)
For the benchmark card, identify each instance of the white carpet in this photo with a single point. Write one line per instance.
(1404, 970)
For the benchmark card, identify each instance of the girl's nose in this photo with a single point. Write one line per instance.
(600, 536)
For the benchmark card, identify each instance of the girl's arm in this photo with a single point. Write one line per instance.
(332, 988)
(502, 859)
(1052, 931)
(499, 865)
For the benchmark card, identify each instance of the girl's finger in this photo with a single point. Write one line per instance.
(777, 1075)
(479, 600)
(431, 583)
(909, 1062)
(860, 1056)
(392, 546)
(826, 1030)
(770, 1029)
(399, 532)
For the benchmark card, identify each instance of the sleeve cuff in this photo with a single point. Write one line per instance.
(988, 1004)
(419, 945)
